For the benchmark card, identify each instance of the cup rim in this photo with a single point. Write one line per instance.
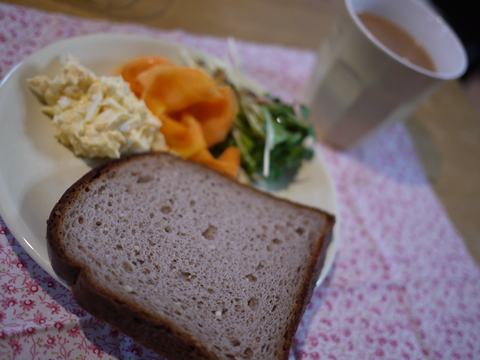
(435, 74)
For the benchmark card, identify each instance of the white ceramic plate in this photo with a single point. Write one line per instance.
(35, 169)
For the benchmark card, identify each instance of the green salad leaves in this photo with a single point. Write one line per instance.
(271, 136)
(274, 138)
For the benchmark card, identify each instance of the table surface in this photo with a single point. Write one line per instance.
(445, 129)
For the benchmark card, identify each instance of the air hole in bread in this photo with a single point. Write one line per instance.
(276, 241)
(300, 231)
(253, 303)
(127, 266)
(248, 353)
(81, 219)
(251, 277)
(166, 209)
(101, 189)
(111, 174)
(144, 179)
(210, 232)
(187, 276)
(98, 223)
(235, 342)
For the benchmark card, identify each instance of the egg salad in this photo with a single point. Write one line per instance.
(97, 116)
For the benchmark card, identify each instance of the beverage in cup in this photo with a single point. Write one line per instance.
(379, 61)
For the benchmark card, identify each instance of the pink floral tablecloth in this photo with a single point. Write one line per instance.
(403, 285)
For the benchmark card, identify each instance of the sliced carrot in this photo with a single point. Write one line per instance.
(228, 163)
(170, 89)
(216, 115)
(183, 137)
(130, 70)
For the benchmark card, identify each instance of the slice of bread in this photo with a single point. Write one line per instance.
(185, 261)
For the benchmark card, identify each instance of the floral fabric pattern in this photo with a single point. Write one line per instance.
(403, 285)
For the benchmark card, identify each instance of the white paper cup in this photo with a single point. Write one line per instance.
(359, 85)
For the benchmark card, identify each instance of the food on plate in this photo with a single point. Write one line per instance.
(186, 261)
(196, 111)
(97, 116)
(215, 115)
(184, 135)
(171, 89)
(135, 67)
(225, 163)
(274, 138)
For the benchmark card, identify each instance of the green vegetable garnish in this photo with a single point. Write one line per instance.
(271, 137)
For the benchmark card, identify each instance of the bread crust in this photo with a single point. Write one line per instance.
(148, 329)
